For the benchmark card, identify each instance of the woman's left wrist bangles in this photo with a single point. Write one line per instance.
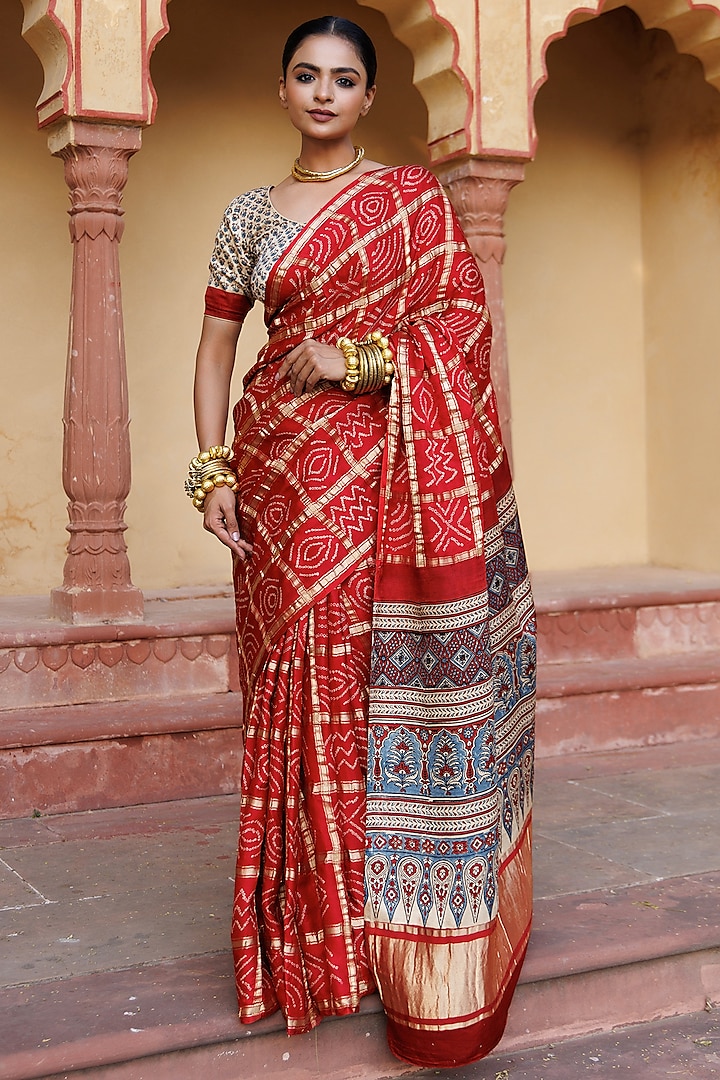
(209, 470)
(368, 363)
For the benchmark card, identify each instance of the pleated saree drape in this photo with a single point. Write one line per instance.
(386, 635)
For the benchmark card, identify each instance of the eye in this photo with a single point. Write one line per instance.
(305, 76)
(345, 82)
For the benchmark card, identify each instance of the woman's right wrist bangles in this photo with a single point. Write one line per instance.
(207, 471)
(368, 363)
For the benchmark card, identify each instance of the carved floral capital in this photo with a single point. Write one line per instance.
(96, 158)
(479, 190)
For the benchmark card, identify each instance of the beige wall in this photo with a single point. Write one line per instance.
(613, 320)
(34, 291)
(573, 281)
(681, 225)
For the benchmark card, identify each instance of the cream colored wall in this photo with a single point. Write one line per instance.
(612, 261)
(504, 27)
(219, 131)
(574, 302)
(681, 204)
(35, 262)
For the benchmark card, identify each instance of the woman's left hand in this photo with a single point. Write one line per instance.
(310, 362)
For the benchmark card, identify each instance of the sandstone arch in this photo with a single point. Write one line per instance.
(81, 79)
(441, 74)
(694, 28)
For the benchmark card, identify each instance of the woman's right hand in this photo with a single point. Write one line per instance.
(220, 518)
(310, 362)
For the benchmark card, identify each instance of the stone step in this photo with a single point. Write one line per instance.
(185, 645)
(597, 960)
(118, 715)
(643, 621)
(119, 753)
(627, 656)
(589, 706)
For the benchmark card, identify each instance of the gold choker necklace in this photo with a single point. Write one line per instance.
(307, 176)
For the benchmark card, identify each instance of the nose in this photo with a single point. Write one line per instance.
(323, 90)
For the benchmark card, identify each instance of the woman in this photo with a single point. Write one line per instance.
(385, 619)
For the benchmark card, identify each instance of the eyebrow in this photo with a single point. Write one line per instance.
(333, 71)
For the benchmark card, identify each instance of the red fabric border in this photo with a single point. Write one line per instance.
(414, 933)
(459, 1046)
(220, 304)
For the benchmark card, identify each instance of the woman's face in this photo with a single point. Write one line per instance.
(325, 89)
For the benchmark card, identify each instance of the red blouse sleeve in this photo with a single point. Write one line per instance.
(226, 305)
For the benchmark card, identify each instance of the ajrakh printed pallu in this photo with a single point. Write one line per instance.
(386, 635)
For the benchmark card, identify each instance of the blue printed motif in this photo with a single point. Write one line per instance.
(443, 803)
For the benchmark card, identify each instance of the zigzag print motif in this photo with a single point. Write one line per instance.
(297, 929)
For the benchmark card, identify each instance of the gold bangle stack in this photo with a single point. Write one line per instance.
(368, 363)
(207, 471)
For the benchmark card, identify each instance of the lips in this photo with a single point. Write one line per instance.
(322, 114)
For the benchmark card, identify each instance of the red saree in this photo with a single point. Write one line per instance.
(386, 635)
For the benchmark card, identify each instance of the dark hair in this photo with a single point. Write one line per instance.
(337, 27)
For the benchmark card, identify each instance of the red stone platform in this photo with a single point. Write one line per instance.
(627, 656)
(115, 715)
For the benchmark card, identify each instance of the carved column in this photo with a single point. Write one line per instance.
(479, 189)
(96, 447)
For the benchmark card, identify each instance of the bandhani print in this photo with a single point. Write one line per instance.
(387, 645)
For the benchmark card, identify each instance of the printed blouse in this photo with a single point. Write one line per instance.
(251, 238)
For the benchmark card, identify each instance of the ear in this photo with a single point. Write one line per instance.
(369, 98)
(282, 93)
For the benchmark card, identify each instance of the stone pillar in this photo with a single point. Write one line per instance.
(479, 189)
(96, 447)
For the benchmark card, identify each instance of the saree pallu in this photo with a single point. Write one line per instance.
(387, 646)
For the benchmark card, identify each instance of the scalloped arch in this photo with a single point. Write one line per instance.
(157, 27)
(444, 86)
(49, 28)
(694, 28)
(433, 41)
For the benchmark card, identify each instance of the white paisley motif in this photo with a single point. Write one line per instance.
(269, 596)
(377, 868)
(371, 208)
(410, 875)
(425, 408)
(442, 876)
(320, 464)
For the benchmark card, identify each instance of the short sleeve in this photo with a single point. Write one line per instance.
(226, 305)
(251, 238)
(231, 262)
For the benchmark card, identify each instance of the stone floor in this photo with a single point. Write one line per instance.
(104, 895)
(684, 1048)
